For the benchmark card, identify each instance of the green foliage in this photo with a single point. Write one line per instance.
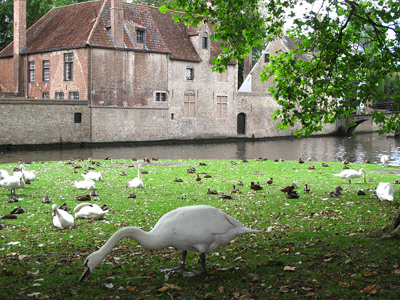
(345, 55)
(329, 244)
(35, 9)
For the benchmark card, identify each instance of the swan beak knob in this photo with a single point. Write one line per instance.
(85, 274)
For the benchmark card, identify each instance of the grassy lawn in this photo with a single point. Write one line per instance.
(313, 247)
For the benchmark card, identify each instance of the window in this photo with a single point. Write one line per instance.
(189, 106)
(139, 36)
(68, 66)
(73, 95)
(266, 57)
(46, 70)
(45, 95)
(77, 117)
(189, 73)
(222, 77)
(204, 42)
(59, 95)
(161, 96)
(222, 105)
(31, 71)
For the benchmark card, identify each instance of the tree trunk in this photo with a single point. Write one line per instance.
(394, 232)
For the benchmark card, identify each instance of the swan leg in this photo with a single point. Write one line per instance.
(203, 263)
(181, 264)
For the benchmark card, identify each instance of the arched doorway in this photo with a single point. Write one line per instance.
(241, 123)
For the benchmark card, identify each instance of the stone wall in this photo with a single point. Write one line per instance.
(43, 121)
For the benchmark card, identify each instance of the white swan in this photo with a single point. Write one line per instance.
(89, 211)
(29, 175)
(96, 176)
(385, 191)
(137, 182)
(384, 160)
(200, 228)
(351, 174)
(61, 218)
(86, 184)
(3, 174)
(13, 182)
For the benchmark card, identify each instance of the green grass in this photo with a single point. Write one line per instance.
(330, 244)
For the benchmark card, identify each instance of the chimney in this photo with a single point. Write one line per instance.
(19, 44)
(117, 22)
(247, 65)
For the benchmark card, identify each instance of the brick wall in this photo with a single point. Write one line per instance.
(43, 121)
(6, 75)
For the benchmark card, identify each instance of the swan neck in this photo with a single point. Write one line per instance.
(140, 173)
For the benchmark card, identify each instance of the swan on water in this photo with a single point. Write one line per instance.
(350, 174)
(200, 228)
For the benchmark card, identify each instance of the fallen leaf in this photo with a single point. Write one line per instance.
(130, 288)
(284, 289)
(370, 290)
(168, 286)
(289, 268)
(221, 289)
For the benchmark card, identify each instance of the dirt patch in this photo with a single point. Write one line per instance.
(386, 171)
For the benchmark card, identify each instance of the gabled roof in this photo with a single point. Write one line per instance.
(87, 24)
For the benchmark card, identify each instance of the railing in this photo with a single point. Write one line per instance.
(388, 105)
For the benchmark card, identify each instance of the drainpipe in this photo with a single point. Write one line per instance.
(90, 92)
(26, 76)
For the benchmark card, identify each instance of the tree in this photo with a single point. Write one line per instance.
(35, 9)
(344, 65)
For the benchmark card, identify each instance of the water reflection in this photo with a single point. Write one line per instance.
(355, 149)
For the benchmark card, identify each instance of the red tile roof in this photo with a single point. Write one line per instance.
(86, 23)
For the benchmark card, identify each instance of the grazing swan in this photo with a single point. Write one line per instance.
(61, 218)
(89, 211)
(13, 182)
(200, 228)
(86, 184)
(351, 174)
(385, 191)
(384, 160)
(137, 182)
(3, 174)
(96, 176)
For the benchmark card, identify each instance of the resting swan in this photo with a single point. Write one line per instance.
(29, 175)
(96, 176)
(200, 228)
(86, 184)
(3, 174)
(89, 211)
(137, 182)
(61, 218)
(385, 191)
(351, 174)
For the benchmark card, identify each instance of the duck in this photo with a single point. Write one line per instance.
(95, 176)
(3, 174)
(306, 188)
(200, 228)
(9, 216)
(86, 184)
(224, 196)
(240, 183)
(270, 181)
(346, 162)
(301, 161)
(207, 175)
(89, 211)
(255, 186)
(324, 165)
(61, 218)
(384, 160)
(198, 177)
(385, 191)
(133, 195)
(211, 192)
(18, 210)
(191, 170)
(84, 198)
(64, 207)
(361, 193)
(233, 163)
(46, 199)
(177, 180)
(123, 173)
(234, 190)
(292, 195)
(93, 193)
(137, 182)
(350, 174)
(287, 189)
(202, 164)
(105, 207)
(12, 199)
(12, 183)
(311, 168)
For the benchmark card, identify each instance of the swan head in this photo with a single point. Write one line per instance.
(54, 207)
(91, 263)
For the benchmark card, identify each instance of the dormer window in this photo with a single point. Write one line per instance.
(204, 42)
(266, 57)
(139, 35)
